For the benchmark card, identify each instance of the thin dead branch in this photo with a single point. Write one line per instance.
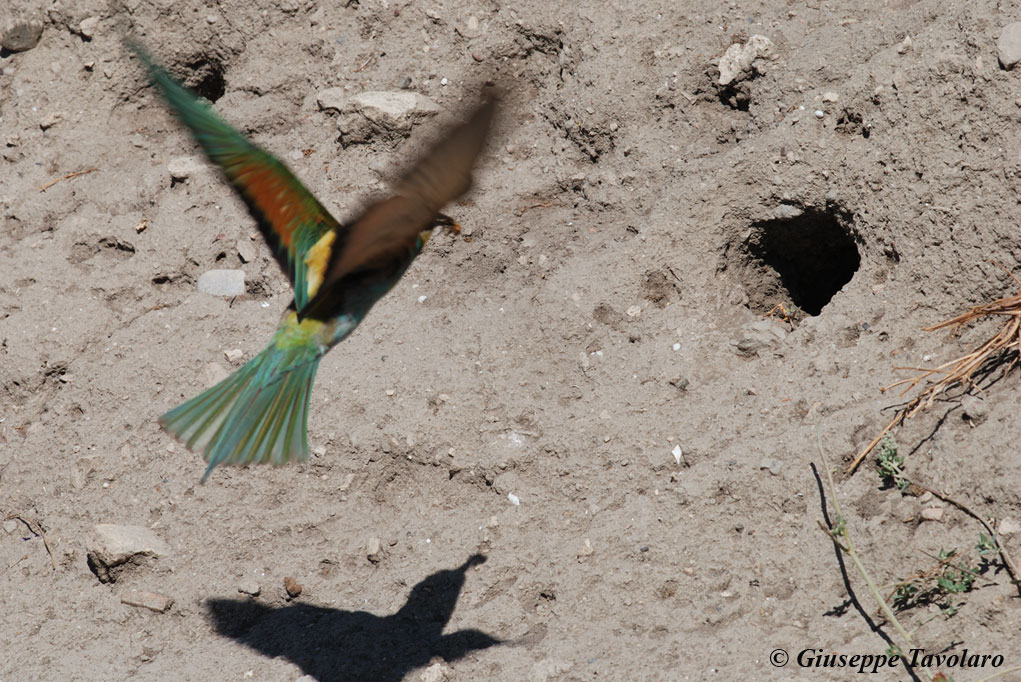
(51, 183)
(1003, 348)
(36, 528)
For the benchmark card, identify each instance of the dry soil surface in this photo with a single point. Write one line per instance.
(571, 444)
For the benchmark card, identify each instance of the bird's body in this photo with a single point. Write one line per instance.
(260, 413)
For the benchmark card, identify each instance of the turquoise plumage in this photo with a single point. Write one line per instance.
(338, 271)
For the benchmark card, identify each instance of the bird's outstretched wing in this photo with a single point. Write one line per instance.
(385, 232)
(292, 221)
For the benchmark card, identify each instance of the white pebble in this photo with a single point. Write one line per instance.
(819, 113)
(421, 299)
(677, 346)
(676, 452)
(514, 499)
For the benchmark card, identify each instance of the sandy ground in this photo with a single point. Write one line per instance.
(632, 223)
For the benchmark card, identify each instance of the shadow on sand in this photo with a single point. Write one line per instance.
(332, 644)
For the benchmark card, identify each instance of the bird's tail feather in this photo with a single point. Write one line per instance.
(258, 414)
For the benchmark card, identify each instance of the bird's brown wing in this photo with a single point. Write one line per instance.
(387, 229)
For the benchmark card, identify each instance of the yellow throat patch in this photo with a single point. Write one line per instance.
(316, 259)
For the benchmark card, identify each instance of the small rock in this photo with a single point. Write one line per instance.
(738, 63)
(1008, 527)
(292, 586)
(1008, 47)
(372, 550)
(514, 499)
(249, 587)
(680, 383)
(319, 450)
(87, 27)
(222, 282)
(394, 111)
(141, 225)
(437, 672)
(115, 545)
(234, 355)
(50, 120)
(307, 678)
(830, 97)
(932, 513)
(247, 251)
(678, 454)
(586, 549)
(634, 312)
(10, 525)
(774, 466)
(760, 335)
(905, 45)
(80, 473)
(183, 167)
(19, 36)
(153, 601)
(787, 212)
(975, 409)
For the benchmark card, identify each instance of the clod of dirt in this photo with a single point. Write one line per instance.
(114, 546)
(154, 601)
(371, 114)
(1008, 47)
(249, 587)
(19, 36)
(742, 62)
(222, 282)
(373, 550)
(292, 587)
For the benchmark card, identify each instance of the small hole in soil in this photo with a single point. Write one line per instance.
(207, 77)
(805, 258)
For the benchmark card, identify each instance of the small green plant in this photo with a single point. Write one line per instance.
(890, 464)
(936, 585)
(904, 594)
(953, 583)
(986, 546)
(839, 527)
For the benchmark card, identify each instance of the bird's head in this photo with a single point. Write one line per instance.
(441, 221)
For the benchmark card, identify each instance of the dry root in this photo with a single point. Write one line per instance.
(1002, 349)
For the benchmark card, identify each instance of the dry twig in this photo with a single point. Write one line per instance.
(51, 183)
(838, 532)
(37, 529)
(1002, 348)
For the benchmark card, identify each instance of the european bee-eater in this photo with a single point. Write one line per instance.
(338, 271)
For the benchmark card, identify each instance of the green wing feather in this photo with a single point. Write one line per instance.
(290, 218)
(259, 414)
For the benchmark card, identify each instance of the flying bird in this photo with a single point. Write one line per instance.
(338, 271)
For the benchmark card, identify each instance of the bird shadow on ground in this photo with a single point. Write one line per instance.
(333, 644)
